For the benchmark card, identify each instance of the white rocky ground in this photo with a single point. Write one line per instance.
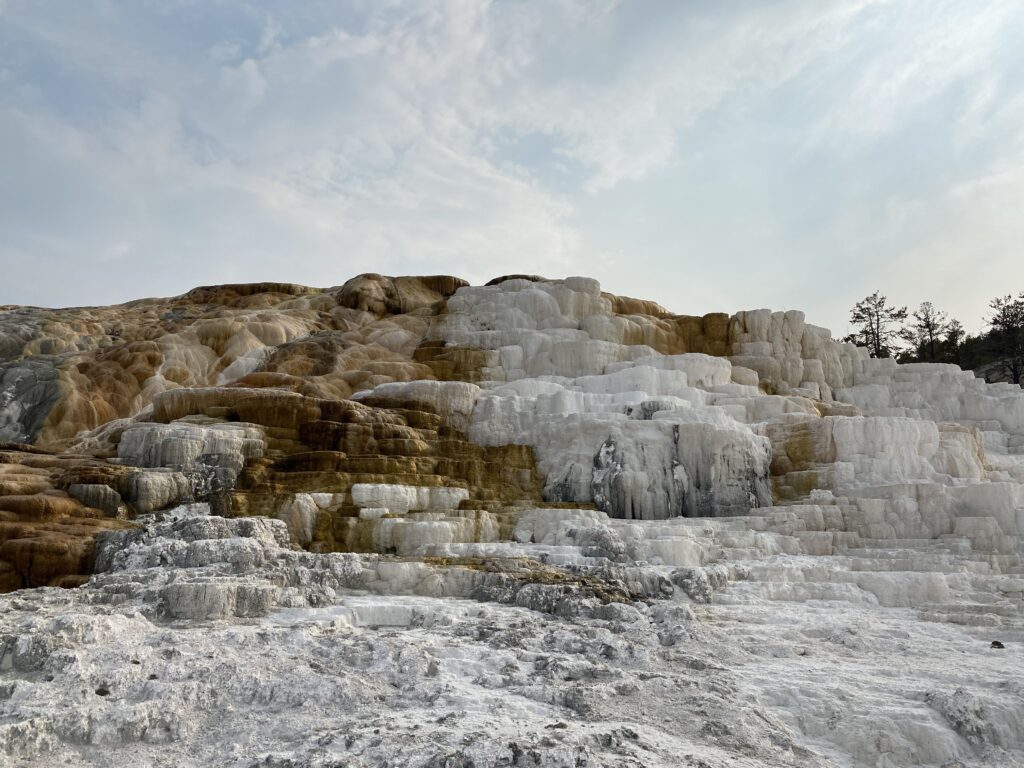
(207, 642)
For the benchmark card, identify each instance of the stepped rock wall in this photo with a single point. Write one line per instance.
(409, 521)
(290, 402)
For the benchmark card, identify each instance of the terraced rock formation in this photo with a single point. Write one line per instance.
(240, 395)
(535, 523)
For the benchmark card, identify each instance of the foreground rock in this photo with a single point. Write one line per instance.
(207, 641)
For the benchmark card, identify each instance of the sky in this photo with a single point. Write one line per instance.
(710, 156)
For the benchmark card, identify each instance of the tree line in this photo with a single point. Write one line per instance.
(929, 335)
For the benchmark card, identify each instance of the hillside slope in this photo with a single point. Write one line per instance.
(581, 465)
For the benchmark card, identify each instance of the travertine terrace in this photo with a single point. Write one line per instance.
(410, 521)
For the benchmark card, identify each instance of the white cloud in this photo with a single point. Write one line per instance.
(916, 51)
(253, 141)
(244, 82)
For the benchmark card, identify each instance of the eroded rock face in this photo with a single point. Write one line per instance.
(90, 381)
(279, 400)
(644, 538)
(68, 370)
(48, 520)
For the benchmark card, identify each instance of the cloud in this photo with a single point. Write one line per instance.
(913, 53)
(311, 159)
(158, 146)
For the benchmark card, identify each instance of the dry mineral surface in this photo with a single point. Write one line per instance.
(413, 522)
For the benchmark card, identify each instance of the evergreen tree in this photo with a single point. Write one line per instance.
(926, 331)
(954, 340)
(879, 326)
(1007, 334)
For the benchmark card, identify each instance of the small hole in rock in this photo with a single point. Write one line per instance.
(102, 691)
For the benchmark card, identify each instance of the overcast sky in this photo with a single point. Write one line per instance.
(711, 156)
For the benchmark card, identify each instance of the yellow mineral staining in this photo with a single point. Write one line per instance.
(642, 322)
(800, 445)
(46, 535)
(288, 359)
(282, 348)
(380, 442)
(803, 457)
(397, 295)
(330, 343)
(451, 363)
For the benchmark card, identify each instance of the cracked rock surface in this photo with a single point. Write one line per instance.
(211, 641)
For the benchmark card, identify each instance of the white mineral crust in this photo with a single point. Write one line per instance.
(791, 555)
(208, 641)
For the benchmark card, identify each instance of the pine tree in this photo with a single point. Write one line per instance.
(926, 331)
(953, 342)
(879, 326)
(1007, 334)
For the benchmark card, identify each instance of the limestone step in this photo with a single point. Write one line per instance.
(972, 609)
